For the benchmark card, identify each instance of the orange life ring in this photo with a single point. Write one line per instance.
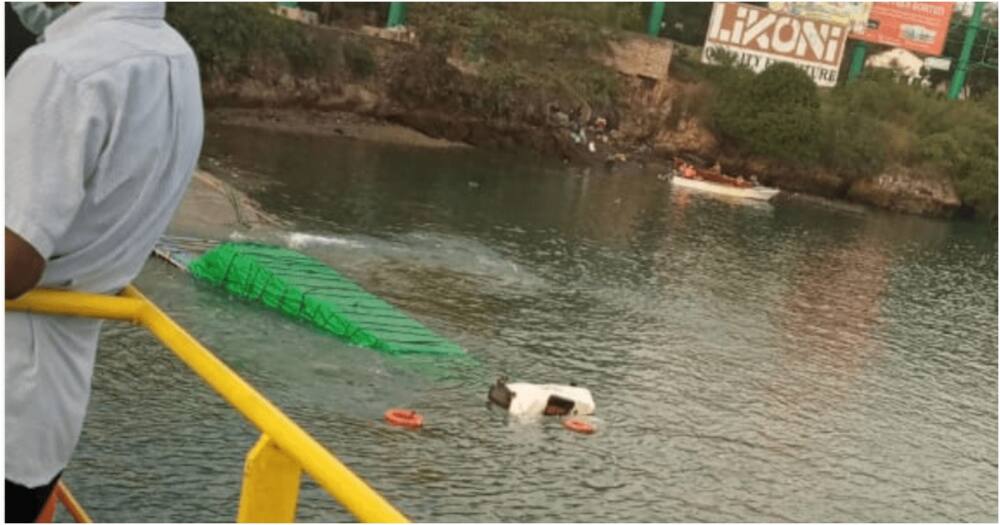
(402, 417)
(578, 425)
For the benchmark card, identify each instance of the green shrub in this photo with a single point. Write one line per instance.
(876, 121)
(852, 145)
(879, 95)
(359, 59)
(858, 129)
(228, 37)
(978, 186)
(783, 85)
(774, 114)
(501, 82)
(963, 144)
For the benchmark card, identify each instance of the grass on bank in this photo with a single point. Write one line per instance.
(548, 49)
(229, 39)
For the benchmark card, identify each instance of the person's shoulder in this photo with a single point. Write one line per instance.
(90, 52)
(39, 65)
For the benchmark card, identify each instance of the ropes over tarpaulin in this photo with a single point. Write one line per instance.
(306, 289)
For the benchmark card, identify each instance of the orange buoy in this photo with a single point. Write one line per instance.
(402, 417)
(578, 425)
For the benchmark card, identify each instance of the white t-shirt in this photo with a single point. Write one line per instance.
(104, 125)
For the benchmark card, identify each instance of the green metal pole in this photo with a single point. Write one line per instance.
(397, 14)
(857, 61)
(958, 80)
(655, 19)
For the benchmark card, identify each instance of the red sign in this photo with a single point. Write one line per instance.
(918, 26)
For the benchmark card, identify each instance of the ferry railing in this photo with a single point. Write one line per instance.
(62, 495)
(273, 468)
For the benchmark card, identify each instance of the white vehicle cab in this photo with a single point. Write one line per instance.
(527, 399)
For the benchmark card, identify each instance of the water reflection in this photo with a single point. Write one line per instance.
(828, 318)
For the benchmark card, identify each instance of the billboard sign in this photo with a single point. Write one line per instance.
(854, 15)
(920, 27)
(758, 38)
(943, 64)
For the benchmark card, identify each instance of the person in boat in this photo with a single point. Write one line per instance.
(714, 174)
(104, 125)
(686, 170)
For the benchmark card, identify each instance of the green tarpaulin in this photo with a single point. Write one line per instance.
(306, 289)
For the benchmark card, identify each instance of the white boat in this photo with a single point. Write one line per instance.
(760, 193)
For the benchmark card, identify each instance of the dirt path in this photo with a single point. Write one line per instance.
(327, 123)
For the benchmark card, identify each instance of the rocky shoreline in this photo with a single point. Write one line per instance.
(412, 98)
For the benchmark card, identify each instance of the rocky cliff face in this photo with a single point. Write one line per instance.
(907, 190)
(689, 136)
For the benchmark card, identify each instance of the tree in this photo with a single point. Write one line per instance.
(775, 113)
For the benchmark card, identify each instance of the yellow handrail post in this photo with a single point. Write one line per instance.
(270, 485)
(72, 506)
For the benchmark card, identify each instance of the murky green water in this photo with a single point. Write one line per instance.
(750, 363)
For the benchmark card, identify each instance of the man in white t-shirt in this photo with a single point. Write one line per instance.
(104, 126)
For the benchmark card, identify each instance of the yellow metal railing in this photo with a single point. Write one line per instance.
(274, 465)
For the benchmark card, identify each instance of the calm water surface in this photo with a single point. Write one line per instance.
(782, 362)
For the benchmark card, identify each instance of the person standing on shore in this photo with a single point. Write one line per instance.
(104, 126)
